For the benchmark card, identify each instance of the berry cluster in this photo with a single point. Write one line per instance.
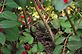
(66, 1)
(21, 19)
(27, 48)
(1, 29)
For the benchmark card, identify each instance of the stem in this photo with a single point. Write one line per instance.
(43, 19)
(65, 45)
(4, 1)
(39, 3)
(24, 12)
(14, 47)
(0, 51)
(72, 25)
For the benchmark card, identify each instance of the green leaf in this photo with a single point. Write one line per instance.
(27, 30)
(64, 23)
(8, 24)
(12, 34)
(41, 25)
(8, 15)
(30, 39)
(55, 23)
(74, 38)
(40, 47)
(80, 25)
(9, 47)
(60, 5)
(59, 40)
(22, 3)
(27, 38)
(2, 38)
(34, 48)
(79, 32)
(20, 50)
(68, 30)
(5, 50)
(29, 52)
(74, 45)
(11, 3)
(58, 49)
(33, 29)
(79, 3)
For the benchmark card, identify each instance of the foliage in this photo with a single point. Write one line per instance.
(16, 33)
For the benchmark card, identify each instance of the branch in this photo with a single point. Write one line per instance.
(0, 51)
(24, 12)
(43, 19)
(65, 44)
(2, 8)
(14, 49)
(72, 25)
(42, 8)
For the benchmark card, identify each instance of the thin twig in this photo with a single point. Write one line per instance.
(14, 47)
(43, 19)
(65, 44)
(72, 25)
(24, 12)
(2, 8)
(47, 15)
(0, 51)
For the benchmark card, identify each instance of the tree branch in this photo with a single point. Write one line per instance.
(72, 25)
(43, 19)
(42, 8)
(65, 44)
(24, 12)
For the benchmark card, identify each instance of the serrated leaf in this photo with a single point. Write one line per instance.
(55, 23)
(40, 47)
(74, 45)
(31, 39)
(27, 30)
(41, 25)
(29, 52)
(27, 38)
(64, 23)
(12, 34)
(33, 28)
(80, 25)
(60, 5)
(8, 24)
(68, 30)
(2, 38)
(79, 32)
(8, 15)
(58, 49)
(74, 38)
(9, 47)
(79, 3)
(11, 3)
(59, 40)
(20, 50)
(5, 50)
(22, 3)
(34, 48)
